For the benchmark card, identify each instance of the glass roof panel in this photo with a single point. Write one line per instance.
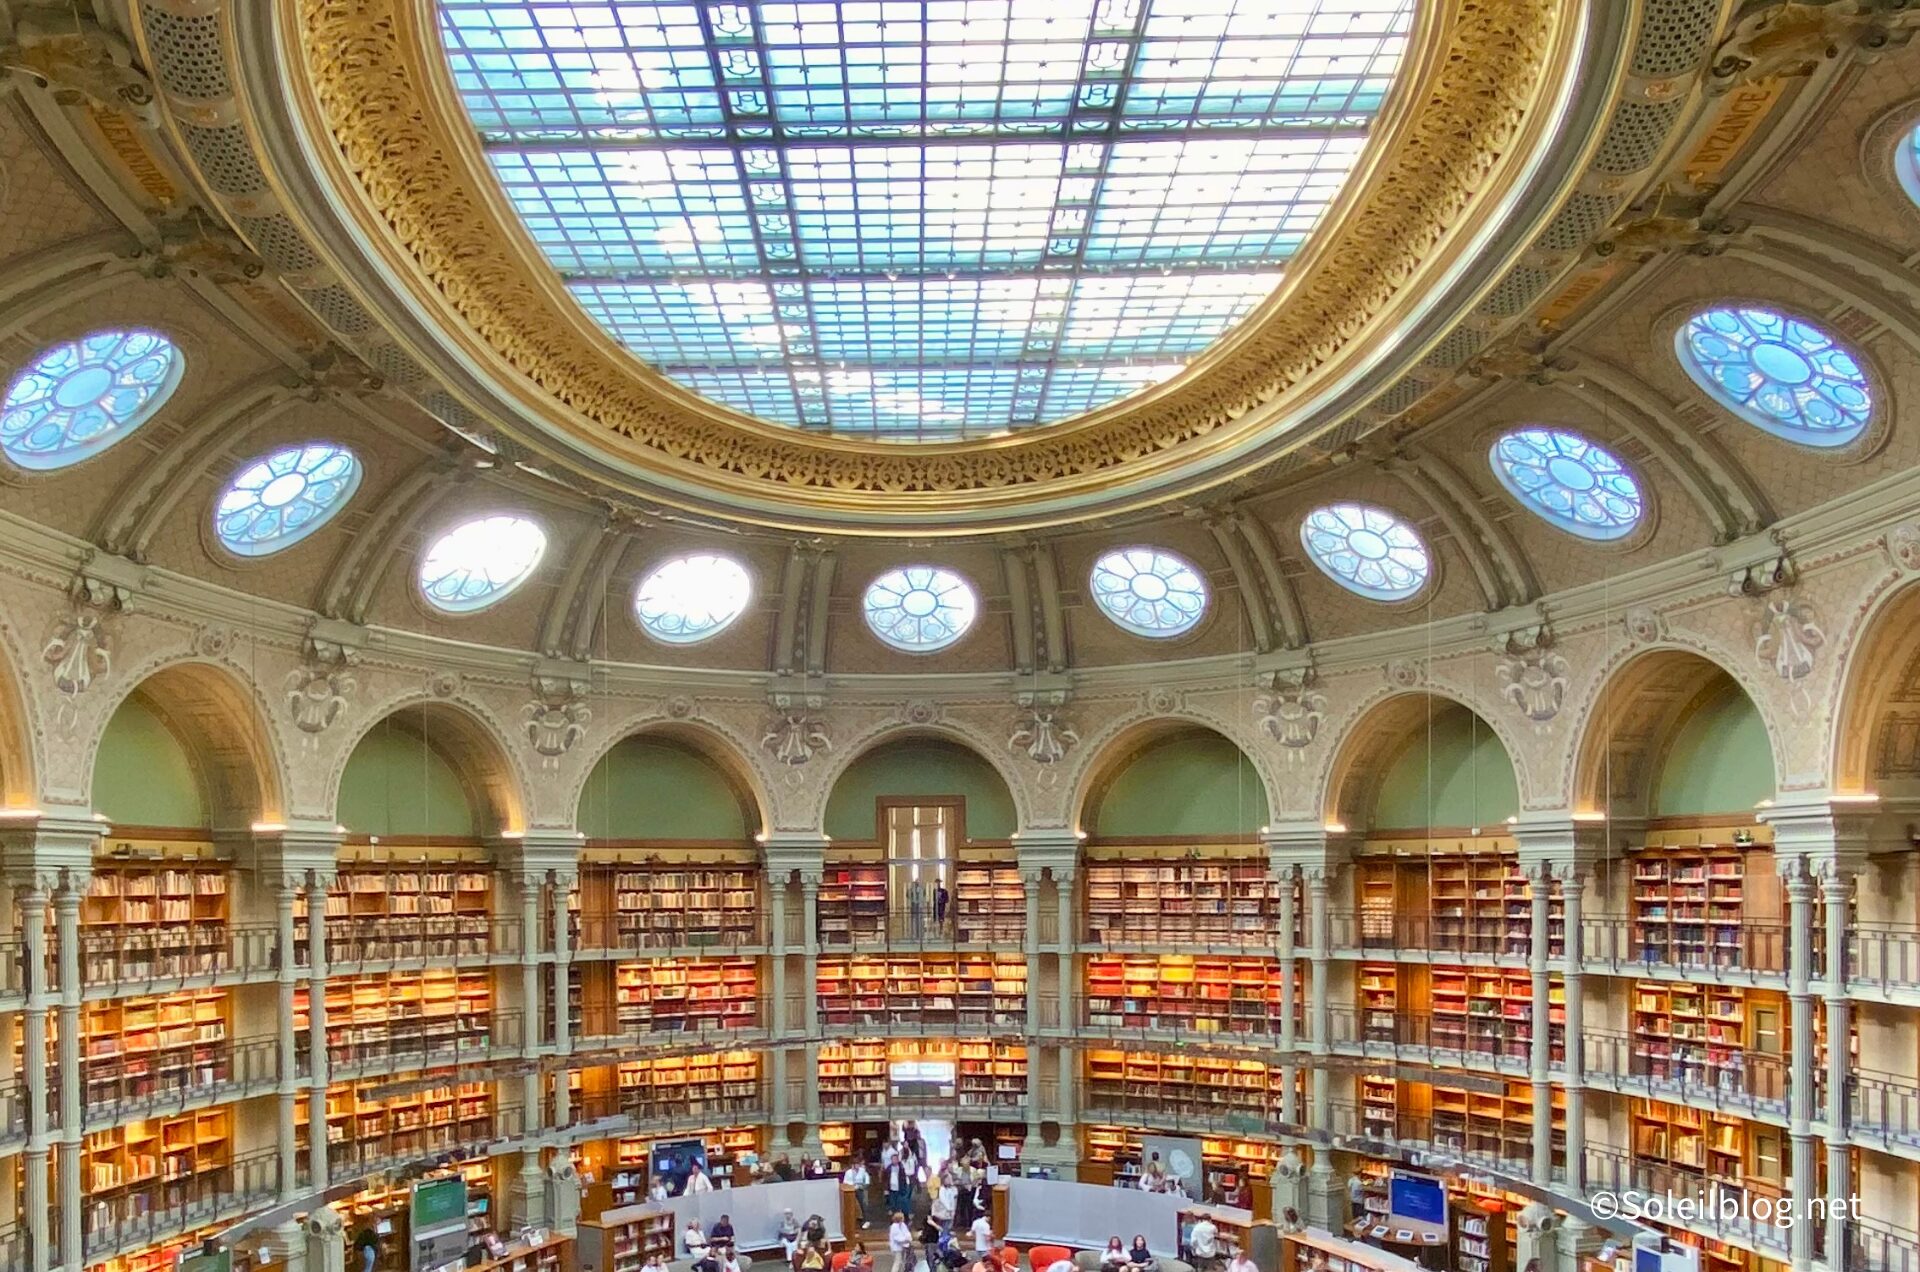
(922, 220)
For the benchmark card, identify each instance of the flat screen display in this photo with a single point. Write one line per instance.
(674, 1160)
(1421, 1198)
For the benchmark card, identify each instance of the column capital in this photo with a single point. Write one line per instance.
(1559, 844)
(1831, 834)
(1308, 846)
(297, 853)
(1055, 848)
(50, 850)
(789, 852)
(539, 852)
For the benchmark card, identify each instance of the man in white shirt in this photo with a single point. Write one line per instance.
(1204, 1241)
(900, 1241)
(1242, 1262)
(698, 1182)
(982, 1231)
(860, 1181)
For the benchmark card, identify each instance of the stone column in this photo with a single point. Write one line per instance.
(1319, 884)
(66, 909)
(1289, 975)
(777, 1022)
(1030, 877)
(1573, 886)
(563, 884)
(318, 1065)
(801, 855)
(1837, 880)
(287, 1051)
(810, 918)
(1540, 1056)
(1063, 876)
(1800, 896)
(33, 934)
(527, 1194)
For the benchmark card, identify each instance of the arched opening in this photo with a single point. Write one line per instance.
(920, 902)
(187, 750)
(428, 773)
(1673, 760)
(19, 781)
(1876, 741)
(672, 910)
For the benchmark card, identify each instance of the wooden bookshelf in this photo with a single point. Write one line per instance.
(1182, 903)
(402, 1014)
(163, 1257)
(990, 1074)
(1118, 1148)
(1695, 1033)
(989, 905)
(1493, 1125)
(1481, 1242)
(682, 1087)
(1185, 1083)
(623, 1240)
(836, 1141)
(852, 905)
(1690, 903)
(623, 1165)
(377, 912)
(154, 1164)
(405, 1126)
(156, 919)
(953, 991)
(1489, 1011)
(168, 1042)
(1379, 1106)
(1378, 992)
(679, 995)
(1185, 993)
(670, 905)
(1471, 901)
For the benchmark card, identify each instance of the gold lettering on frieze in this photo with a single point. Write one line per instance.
(1575, 294)
(1744, 110)
(116, 130)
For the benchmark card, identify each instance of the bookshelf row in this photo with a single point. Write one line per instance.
(681, 995)
(716, 1084)
(1690, 906)
(1188, 1083)
(1476, 902)
(137, 1046)
(382, 1124)
(863, 904)
(621, 1167)
(933, 990)
(1185, 993)
(375, 1017)
(1205, 903)
(969, 1072)
(1226, 1162)
(660, 906)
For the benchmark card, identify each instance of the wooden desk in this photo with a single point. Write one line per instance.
(555, 1254)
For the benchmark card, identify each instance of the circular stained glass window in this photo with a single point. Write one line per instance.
(1148, 592)
(1578, 486)
(77, 399)
(920, 608)
(691, 598)
(473, 565)
(1906, 163)
(1778, 373)
(1366, 550)
(280, 499)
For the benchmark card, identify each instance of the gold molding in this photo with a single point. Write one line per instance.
(375, 83)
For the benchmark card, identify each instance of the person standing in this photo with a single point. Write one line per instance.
(900, 1241)
(899, 1183)
(861, 1182)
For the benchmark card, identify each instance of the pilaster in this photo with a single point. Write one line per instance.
(1318, 854)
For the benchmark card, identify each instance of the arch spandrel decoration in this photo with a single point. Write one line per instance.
(478, 746)
(1876, 711)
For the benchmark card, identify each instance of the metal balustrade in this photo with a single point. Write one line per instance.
(405, 938)
(423, 1042)
(1883, 1107)
(121, 1088)
(1873, 1246)
(1883, 956)
(144, 960)
(1754, 1083)
(1178, 1029)
(13, 1112)
(1758, 950)
(138, 1218)
(458, 1137)
(601, 1026)
(1505, 1040)
(604, 934)
(13, 968)
(1726, 1214)
(982, 1108)
(914, 1013)
(911, 931)
(1386, 931)
(13, 1248)
(1259, 934)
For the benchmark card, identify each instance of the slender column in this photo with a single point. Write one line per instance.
(1319, 879)
(563, 884)
(531, 885)
(1030, 947)
(288, 1049)
(1572, 889)
(777, 1022)
(66, 909)
(810, 916)
(33, 934)
(1063, 896)
(317, 1062)
(1800, 889)
(1838, 881)
(1289, 975)
(1541, 1053)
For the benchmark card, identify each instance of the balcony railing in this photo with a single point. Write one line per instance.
(1873, 1246)
(13, 1113)
(1754, 949)
(1259, 933)
(1754, 1082)
(1883, 956)
(13, 977)
(921, 1013)
(604, 1026)
(909, 929)
(177, 952)
(1484, 936)
(148, 1215)
(981, 1107)
(120, 1087)
(1884, 1107)
(1507, 1039)
(459, 1137)
(415, 1044)
(400, 938)
(1728, 1209)
(620, 933)
(1186, 1026)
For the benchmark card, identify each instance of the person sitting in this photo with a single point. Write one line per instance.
(858, 1260)
(1203, 1243)
(1002, 1257)
(722, 1234)
(1139, 1255)
(815, 1231)
(729, 1260)
(1241, 1262)
(1059, 1265)
(812, 1257)
(695, 1240)
(1114, 1256)
(655, 1263)
(789, 1234)
(783, 1169)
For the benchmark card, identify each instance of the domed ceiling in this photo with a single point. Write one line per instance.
(911, 222)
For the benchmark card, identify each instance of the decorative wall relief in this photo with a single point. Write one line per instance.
(1291, 713)
(1643, 625)
(1903, 547)
(1404, 673)
(795, 739)
(1044, 736)
(1786, 640)
(318, 691)
(554, 724)
(1533, 677)
(76, 654)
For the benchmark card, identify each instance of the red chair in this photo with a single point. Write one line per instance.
(840, 1258)
(1045, 1256)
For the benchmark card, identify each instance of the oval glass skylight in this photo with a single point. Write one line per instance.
(921, 222)
(1778, 373)
(281, 498)
(920, 608)
(1148, 592)
(76, 399)
(1906, 163)
(474, 565)
(1366, 550)
(691, 598)
(1579, 486)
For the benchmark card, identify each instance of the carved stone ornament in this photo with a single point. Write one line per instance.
(679, 707)
(76, 655)
(213, 642)
(554, 725)
(1667, 228)
(443, 684)
(1163, 701)
(1903, 547)
(1044, 736)
(794, 739)
(1787, 637)
(1291, 713)
(920, 711)
(1404, 673)
(1533, 677)
(78, 62)
(318, 691)
(1791, 38)
(1644, 625)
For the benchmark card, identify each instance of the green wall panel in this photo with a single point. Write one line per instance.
(1718, 760)
(397, 784)
(1453, 773)
(142, 775)
(1193, 783)
(920, 766)
(649, 789)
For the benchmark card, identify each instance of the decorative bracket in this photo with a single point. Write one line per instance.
(78, 62)
(1791, 39)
